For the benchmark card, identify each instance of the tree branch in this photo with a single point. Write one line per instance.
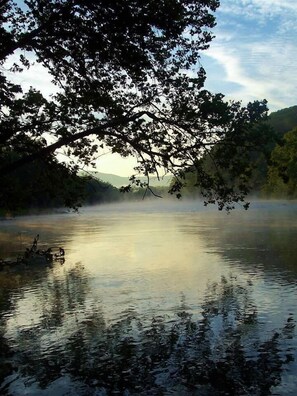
(44, 152)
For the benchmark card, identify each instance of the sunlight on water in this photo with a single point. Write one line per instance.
(131, 271)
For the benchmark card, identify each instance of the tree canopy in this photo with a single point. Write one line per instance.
(129, 79)
(283, 120)
(282, 173)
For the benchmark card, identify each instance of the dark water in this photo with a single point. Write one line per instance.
(152, 300)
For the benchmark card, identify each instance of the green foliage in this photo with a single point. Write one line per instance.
(218, 178)
(127, 79)
(283, 120)
(282, 175)
(263, 167)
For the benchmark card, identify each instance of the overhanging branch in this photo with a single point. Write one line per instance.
(45, 151)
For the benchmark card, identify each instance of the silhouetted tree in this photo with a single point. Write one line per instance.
(128, 79)
(247, 172)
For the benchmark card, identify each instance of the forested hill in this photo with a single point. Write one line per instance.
(284, 120)
(272, 168)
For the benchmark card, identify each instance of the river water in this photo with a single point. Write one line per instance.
(152, 299)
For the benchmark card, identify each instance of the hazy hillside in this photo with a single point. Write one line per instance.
(284, 120)
(118, 181)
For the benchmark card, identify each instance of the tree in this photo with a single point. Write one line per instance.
(284, 120)
(42, 185)
(282, 174)
(128, 78)
(247, 172)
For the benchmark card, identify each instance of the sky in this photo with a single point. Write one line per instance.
(254, 53)
(252, 57)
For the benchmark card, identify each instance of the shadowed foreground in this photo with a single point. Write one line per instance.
(224, 352)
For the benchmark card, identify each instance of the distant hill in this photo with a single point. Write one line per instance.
(119, 181)
(284, 120)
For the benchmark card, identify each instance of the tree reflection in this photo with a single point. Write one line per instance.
(11, 283)
(223, 353)
(265, 242)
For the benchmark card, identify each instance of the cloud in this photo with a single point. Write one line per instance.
(253, 55)
(272, 16)
(244, 86)
(274, 6)
(257, 71)
(259, 8)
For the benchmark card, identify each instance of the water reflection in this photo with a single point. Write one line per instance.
(263, 239)
(222, 353)
(131, 310)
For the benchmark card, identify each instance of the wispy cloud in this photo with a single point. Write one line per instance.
(255, 74)
(244, 86)
(259, 8)
(253, 58)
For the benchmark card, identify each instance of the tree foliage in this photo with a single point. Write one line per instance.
(42, 185)
(234, 163)
(282, 175)
(283, 120)
(128, 79)
(267, 170)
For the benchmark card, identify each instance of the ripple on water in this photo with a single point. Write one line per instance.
(157, 303)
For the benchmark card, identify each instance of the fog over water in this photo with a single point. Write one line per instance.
(134, 266)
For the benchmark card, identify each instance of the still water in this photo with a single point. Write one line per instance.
(152, 299)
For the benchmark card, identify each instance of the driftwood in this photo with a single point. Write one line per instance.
(33, 255)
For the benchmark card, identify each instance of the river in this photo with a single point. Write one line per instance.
(153, 298)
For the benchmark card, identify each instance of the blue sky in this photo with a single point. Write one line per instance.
(254, 53)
